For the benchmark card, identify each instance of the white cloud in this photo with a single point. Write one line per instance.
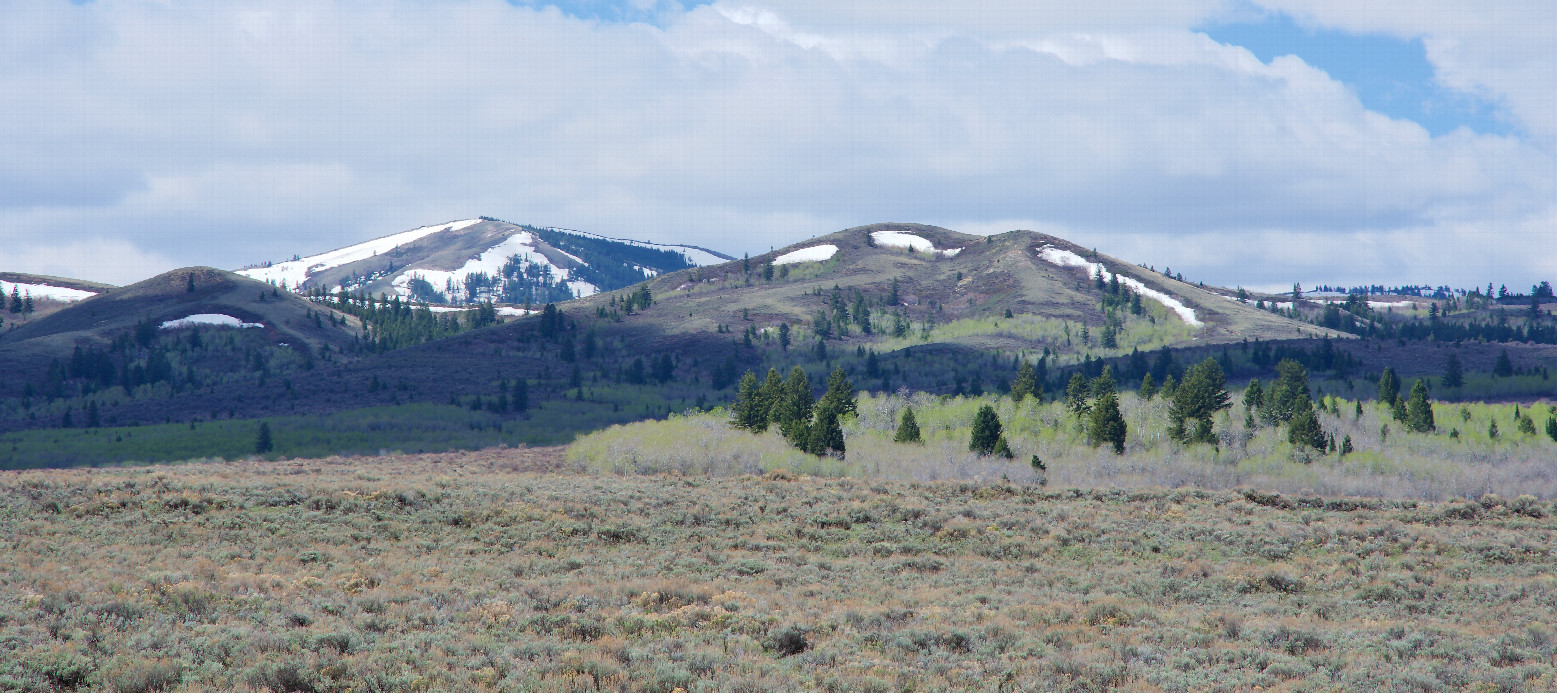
(239, 133)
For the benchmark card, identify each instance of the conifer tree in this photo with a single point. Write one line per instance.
(1453, 376)
(16, 298)
(1003, 449)
(1304, 430)
(1551, 428)
(1076, 394)
(1202, 394)
(1492, 430)
(1346, 446)
(840, 393)
(986, 431)
(1419, 411)
(1389, 387)
(907, 428)
(783, 337)
(826, 435)
(262, 442)
(1253, 395)
(521, 397)
(794, 410)
(749, 413)
(1148, 387)
(1026, 382)
(769, 397)
(1504, 367)
(1107, 424)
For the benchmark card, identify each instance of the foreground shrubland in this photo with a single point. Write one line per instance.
(496, 571)
(1388, 461)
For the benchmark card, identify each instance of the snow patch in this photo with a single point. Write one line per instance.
(295, 272)
(918, 244)
(815, 253)
(210, 319)
(53, 293)
(491, 262)
(1066, 258)
(512, 312)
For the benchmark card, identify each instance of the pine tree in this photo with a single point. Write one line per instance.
(1026, 381)
(1202, 394)
(907, 428)
(749, 412)
(1389, 388)
(1551, 428)
(840, 393)
(1419, 416)
(1453, 376)
(1304, 430)
(16, 298)
(1148, 387)
(1107, 424)
(1398, 410)
(1253, 395)
(794, 411)
(826, 435)
(262, 442)
(1346, 446)
(986, 431)
(1492, 430)
(521, 397)
(1504, 367)
(1003, 449)
(783, 336)
(769, 396)
(1076, 394)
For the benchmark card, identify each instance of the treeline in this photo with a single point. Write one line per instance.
(391, 323)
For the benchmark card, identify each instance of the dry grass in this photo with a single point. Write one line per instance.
(489, 571)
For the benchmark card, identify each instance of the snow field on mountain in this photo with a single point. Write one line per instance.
(37, 291)
(295, 272)
(210, 320)
(918, 244)
(1066, 258)
(815, 253)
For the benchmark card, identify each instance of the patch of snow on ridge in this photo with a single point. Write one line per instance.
(37, 291)
(295, 272)
(1066, 258)
(210, 319)
(918, 244)
(815, 253)
(491, 262)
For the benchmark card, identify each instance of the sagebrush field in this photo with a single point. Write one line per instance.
(509, 570)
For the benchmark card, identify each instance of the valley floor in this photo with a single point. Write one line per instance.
(509, 570)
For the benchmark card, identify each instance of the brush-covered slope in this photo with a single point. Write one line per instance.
(475, 260)
(961, 287)
(181, 299)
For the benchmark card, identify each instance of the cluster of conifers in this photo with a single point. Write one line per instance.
(810, 426)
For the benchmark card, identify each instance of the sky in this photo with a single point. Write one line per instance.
(1249, 143)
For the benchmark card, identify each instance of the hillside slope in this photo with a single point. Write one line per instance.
(474, 260)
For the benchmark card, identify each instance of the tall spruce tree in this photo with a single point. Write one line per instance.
(1304, 430)
(1076, 394)
(749, 411)
(794, 410)
(262, 441)
(907, 428)
(1284, 396)
(1389, 387)
(1504, 367)
(986, 431)
(1025, 384)
(1453, 375)
(1196, 400)
(1107, 424)
(1419, 411)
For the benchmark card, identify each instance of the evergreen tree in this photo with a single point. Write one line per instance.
(262, 442)
(1398, 410)
(769, 397)
(1492, 430)
(1148, 387)
(1346, 446)
(1253, 395)
(907, 428)
(1200, 396)
(1003, 449)
(794, 411)
(521, 397)
(749, 411)
(1026, 381)
(1076, 394)
(16, 298)
(826, 435)
(1283, 397)
(1551, 428)
(1169, 386)
(1305, 430)
(1107, 424)
(1419, 416)
(1389, 388)
(986, 431)
(840, 393)
(1103, 384)
(1452, 374)
(783, 337)
(1504, 367)
(1357, 411)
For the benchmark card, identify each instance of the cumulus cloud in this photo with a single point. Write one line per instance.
(232, 133)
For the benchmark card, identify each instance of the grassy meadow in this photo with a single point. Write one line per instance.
(507, 570)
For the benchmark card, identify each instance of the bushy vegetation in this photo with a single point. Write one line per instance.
(1251, 447)
(469, 572)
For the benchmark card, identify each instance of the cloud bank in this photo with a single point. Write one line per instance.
(230, 133)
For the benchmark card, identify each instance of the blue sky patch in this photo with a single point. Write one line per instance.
(614, 10)
(1390, 75)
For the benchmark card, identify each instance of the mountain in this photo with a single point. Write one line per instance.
(48, 294)
(894, 305)
(475, 260)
